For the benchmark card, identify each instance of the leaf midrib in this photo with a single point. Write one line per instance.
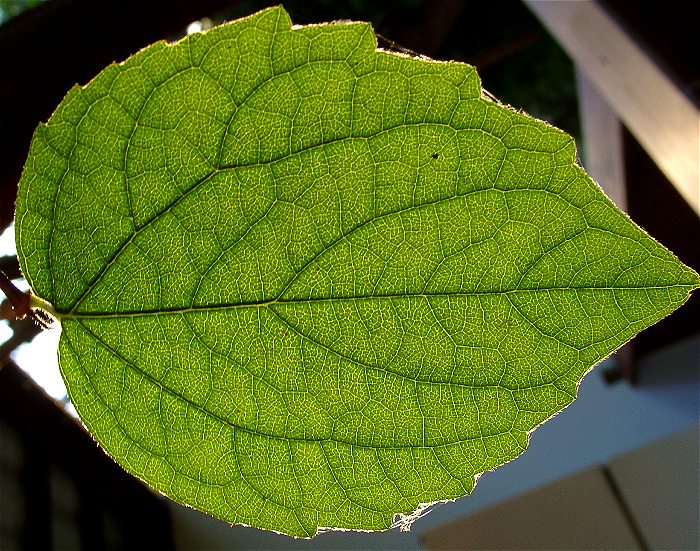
(77, 316)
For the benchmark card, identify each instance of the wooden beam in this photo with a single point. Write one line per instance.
(602, 152)
(662, 119)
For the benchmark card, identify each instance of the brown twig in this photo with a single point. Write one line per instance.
(10, 265)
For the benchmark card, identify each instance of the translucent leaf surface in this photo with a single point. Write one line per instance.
(304, 283)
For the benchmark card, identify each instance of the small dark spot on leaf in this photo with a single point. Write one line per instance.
(434, 156)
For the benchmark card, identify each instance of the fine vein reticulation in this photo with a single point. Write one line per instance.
(305, 283)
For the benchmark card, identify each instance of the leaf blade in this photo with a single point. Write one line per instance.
(306, 284)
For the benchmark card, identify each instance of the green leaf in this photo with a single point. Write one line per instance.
(304, 283)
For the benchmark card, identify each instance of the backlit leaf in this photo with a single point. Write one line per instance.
(305, 283)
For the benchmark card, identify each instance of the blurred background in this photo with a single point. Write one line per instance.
(617, 469)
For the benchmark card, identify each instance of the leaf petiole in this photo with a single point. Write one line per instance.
(26, 304)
